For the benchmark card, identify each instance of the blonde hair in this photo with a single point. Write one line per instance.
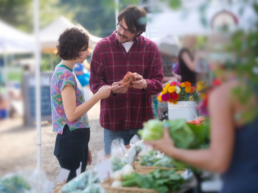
(189, 41)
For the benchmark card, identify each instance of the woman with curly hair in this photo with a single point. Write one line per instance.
(69, 107)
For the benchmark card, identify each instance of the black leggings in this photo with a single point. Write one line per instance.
(71, 148)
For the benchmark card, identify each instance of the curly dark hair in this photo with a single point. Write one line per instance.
(71, 42)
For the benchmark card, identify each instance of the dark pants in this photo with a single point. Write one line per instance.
(110, 135)
(71, 149)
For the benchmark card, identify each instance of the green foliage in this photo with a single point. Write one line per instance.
(19, 13)
(97, 16)
(13, 184)
(47, 59)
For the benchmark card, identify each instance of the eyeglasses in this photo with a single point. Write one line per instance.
(127, 31)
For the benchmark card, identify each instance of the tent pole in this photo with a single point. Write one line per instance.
(117, 8)
(51, 62)
(5, 78)
(37, 82)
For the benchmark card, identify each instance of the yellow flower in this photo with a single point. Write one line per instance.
(203, 95)
(165, 90)
(200, 85)
(167, 86)
(159, 98)
(182, 84)
(174, 102)
(171, 89)
(191, 98)
(188, 89)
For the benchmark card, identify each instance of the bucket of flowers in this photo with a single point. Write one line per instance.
(182, 100)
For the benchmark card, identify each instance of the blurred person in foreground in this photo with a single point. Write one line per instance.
(69, 108)
(233, 138)
(122, 114)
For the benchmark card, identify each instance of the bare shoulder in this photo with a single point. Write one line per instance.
(224, 91)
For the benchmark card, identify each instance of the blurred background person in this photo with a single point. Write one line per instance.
(3, 107)
(169, 55)
(82, 73)
(186, 66)
(233, 143)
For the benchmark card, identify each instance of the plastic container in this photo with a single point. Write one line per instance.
(183, 109)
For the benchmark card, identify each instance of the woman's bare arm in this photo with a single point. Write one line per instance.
(74, 112)
(218, 156)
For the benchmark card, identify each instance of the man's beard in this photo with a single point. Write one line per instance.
(125, 37)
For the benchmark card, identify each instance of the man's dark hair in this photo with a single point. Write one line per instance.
(71, 42)
(135, 18)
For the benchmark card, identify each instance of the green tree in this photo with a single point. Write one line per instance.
(19, 13)
(97, 16)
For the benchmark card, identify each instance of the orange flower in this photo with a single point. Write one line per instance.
(177, 97)
(187, 84)
(182, 84)
(175, 102)
(188, 89)
(192, 90)
(171, 100)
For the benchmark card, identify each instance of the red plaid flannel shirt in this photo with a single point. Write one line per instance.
(109, 64)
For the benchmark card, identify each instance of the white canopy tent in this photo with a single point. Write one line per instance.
(50, 34)
(181, 22)
(14, 41)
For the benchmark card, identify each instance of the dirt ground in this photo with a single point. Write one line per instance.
(18, 150)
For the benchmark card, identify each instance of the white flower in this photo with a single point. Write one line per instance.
(177, 89)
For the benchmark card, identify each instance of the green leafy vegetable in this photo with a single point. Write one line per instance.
(117, 163)
(13, 184)
(162, 181)
(153, 130)
(185, 135)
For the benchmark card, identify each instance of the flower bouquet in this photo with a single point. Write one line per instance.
(182, 100)
(177, 91)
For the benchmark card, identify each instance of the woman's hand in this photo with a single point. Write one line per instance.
(165, 145)
(89, 157)
(104, 91)
(119, 89)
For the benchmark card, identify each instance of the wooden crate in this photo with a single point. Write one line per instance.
(106, 185)
(148, 169)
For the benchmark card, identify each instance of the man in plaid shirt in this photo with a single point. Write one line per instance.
(124, 111)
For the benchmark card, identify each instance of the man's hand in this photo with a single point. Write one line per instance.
(139, 82)
(119, 89)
